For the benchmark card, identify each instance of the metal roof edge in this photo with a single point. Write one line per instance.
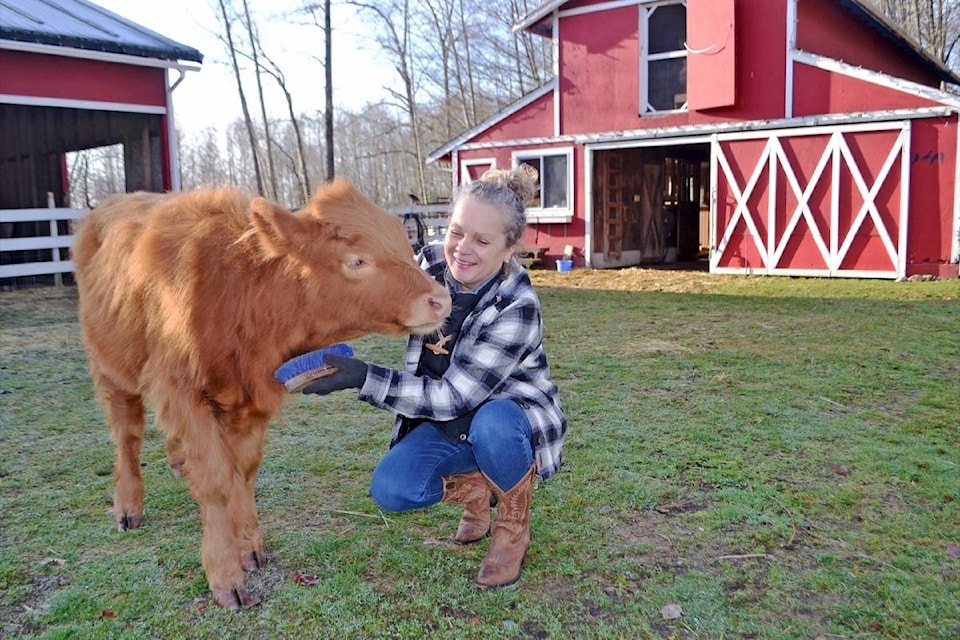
(537, 14)
(682, 131)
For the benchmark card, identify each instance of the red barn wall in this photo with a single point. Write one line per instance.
(599, 66)
(532, 121)
(818, 91)
(932, 179)
(46, 76)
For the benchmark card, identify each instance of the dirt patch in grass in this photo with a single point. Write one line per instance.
(632, 279)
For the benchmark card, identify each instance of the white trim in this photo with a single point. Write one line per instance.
(877, 78)
(101, 56)
(746, 128)
(602, 6)
(656, 142)
(172, 136)
(789, 60)
(546, 215)
(454, 170)
(555, 44)
(471, 162)
(38, 101)
(645, 10)
(836, 152)
(537, 15)
(588, 206)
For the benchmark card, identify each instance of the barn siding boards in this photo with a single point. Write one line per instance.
(54, 77)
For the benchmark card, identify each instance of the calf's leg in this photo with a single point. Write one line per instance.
(125, 416)
(248, 450)
(211, 470)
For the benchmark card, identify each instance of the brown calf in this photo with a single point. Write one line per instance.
(194, 299)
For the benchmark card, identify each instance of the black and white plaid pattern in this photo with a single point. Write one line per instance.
(498, 354)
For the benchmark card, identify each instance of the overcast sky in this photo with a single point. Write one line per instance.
(209, 98)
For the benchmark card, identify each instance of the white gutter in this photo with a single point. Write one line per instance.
(101, 56)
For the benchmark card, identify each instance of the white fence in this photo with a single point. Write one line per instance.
(433, 217)
(53, 242)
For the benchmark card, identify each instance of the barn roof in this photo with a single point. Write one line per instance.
(80, 24)
(539, 21)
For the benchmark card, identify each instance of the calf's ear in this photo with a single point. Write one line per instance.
(279, 231)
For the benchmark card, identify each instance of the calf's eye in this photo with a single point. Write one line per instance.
(354, 262)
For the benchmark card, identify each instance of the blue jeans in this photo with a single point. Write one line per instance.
(499, 444)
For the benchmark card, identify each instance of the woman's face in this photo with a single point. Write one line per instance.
(476, 243)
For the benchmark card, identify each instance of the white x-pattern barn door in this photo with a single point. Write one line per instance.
(824, 201)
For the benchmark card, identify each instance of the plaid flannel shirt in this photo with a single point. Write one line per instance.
(498, 354)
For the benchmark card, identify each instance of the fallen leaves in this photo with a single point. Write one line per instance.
(305, 579)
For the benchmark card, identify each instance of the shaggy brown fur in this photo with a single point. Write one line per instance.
(194, 299)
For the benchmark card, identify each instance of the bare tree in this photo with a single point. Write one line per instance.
(935, 24)
(393, 22)
(254, 53)
(248, 121)
(300, 165)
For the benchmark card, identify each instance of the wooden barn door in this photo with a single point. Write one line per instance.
(651, 212)
(823, 201)
(612, 205)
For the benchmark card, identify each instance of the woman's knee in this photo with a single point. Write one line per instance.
(392, 492)
(499, 421)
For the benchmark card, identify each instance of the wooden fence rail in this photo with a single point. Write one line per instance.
(52, 242)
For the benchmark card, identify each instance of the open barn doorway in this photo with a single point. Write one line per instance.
(651, 206)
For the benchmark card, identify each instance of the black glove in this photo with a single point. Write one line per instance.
(350, 374)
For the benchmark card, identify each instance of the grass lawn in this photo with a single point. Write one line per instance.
(775, 457)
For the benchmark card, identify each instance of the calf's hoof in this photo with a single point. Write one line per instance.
(253, 560)
(235, 599)
(127, 521)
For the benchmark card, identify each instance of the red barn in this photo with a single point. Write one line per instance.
(75, 76)
(782, 137)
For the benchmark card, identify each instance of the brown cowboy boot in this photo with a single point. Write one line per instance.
(511, 534)
(472, 491)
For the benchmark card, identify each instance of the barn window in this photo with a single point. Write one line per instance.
(663, 57)
(554, 199)
(472, 169)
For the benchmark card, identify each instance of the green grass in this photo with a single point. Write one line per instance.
(777, 456)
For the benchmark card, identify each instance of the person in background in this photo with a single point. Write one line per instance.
(478, 417)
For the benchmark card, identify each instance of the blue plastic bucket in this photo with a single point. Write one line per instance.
(564, 265)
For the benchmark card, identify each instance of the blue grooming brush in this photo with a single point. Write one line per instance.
(297, 372)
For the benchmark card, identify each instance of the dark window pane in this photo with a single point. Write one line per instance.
(667, 84)
(554, 181)
(535, 163)
(667, 28)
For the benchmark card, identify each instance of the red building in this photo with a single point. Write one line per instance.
(75, 76)
(783, 137)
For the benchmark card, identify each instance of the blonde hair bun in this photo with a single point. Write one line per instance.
(522, 180)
